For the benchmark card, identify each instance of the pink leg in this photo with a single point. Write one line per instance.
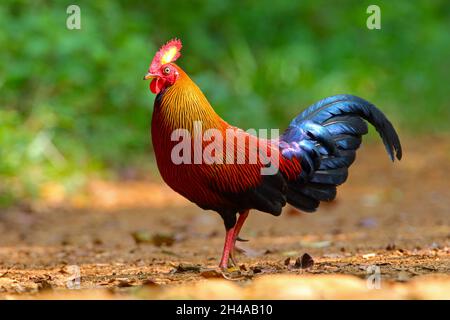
(227, 248)
(237, 228)
(230, 240)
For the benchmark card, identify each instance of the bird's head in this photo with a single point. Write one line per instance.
(162, 70)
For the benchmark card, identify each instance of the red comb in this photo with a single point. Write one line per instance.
(169, 52)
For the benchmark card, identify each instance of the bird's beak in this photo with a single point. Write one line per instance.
(149, 76)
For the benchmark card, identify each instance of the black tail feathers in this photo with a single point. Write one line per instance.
(325, 138)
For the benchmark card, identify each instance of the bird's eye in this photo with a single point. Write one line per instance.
(166, 70)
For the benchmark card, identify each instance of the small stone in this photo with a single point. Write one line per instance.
(304, 262)
(287, 261)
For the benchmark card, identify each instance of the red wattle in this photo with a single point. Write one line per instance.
(156, 85)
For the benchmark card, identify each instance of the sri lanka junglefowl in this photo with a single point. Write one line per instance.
(309, 159)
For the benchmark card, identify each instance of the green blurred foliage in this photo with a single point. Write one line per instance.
(73, 102)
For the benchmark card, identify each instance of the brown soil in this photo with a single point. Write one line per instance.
(137, 239)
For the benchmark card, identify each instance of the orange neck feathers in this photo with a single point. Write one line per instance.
(183, 103)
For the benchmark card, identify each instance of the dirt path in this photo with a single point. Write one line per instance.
(395, 217)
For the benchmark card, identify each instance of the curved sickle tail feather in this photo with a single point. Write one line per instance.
(325, 138)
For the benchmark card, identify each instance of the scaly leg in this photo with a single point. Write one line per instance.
(230, 240)
(227, 248)
(237, 228)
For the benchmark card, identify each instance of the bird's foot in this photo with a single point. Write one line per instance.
(229, 265)
(241, 240)
(230, 271)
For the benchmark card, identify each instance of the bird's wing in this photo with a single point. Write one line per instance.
(243, 182)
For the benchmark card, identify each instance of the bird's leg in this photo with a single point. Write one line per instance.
(237, 228)
(227, 248)
(230, 241)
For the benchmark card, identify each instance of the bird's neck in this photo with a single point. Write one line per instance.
(183, 104)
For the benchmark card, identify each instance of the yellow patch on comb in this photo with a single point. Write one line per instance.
(169, 55)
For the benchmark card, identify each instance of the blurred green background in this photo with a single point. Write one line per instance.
(73, 103)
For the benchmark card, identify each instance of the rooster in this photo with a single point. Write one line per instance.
(313, 154)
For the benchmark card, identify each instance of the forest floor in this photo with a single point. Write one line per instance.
(387, 235)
